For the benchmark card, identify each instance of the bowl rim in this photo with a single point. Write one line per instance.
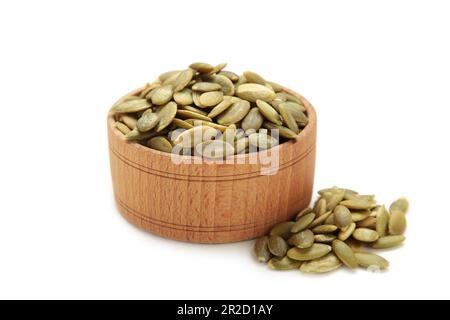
(312, 123)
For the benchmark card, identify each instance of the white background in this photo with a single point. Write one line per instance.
(378, 73)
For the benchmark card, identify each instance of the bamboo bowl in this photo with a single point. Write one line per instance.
(211, 203)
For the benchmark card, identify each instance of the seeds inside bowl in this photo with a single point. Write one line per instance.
(209, 96)
(333, 233)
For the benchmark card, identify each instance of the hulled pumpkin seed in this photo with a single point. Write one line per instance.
(325, 264)
(282, 131)
(367, 260)
(365, 235)
(359, 204)
(253, 91)
(129, 121)
(320, 207)
(285, 96)
(342, 217)
(326, 228)
(160, 143)
(193, 109)
(162, 95)
(288, 118)
(235, 113)
(226, 84)
(317, 250)
(131, 106)
(303, 223)
(135, 134)
(147, 121)
(345, 253)
(166, 115)
(253, 77)
(275, 86)
(303, 212)
(262, 140)
(397, 223)
(360, 215)
(221, 107)
(268, 112)
(122, 128)
(169, 74)
(182, 124)
(401, 204)
(321, 219)
(370, 222)
(183, 97)
(262, 249)
(209, 99)
(187, 114)
(344, 234)
(241, 145)
(334, 198)
(218, 68)
(183, 79)
(206, 86)
(382, 221)
(230, 75)
(215, 149)
(191, 137)
(253, 120)
(197, 122)
(324, 238)
(201, 67)
(282, 229)
(388, 242)
(284, 263)
(277, 246)
(303, 239)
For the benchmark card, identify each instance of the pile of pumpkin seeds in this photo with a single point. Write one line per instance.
(229, 111)
(340, 230)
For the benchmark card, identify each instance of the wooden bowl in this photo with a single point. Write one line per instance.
(211, 203)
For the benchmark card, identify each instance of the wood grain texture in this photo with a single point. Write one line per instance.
(211, 203)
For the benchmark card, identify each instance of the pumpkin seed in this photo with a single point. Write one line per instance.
(345, 254)
(366, 260)
(358, 204)
(370, 222)
(324, 238)
(131, 106)
(382, 221)
(191, 137)
(218, 68)
(226, 84)
(321, 219)
(147, 121)
(397, 223)
(253, 77)
(401, 204)
(183, 79)
(360, 215)
(147, 88)
(334, 199)
(365, 235)
(166, 115)
(303, 239)
(209, 99)
(288, 118)
(330, 219)
(135, 134)
(344, 234)
(284, 263)
(221, 107)
(253, 120)
(169, 74)
(129, 121)
(215, 149)
(342, 217)
(202, 67)
(325, 264)
(187, 114)
(317, 250)
(302, 223)
(282, 229)
(388, 242)
(230, 75)
(303, 212)
(282, 131)
(206, 86)
(326, 228)
(162, 95)
(277, 246)
(262, 140)
(196, 98)
(288, 97)
(275, 86)
(122, 128)
(183, 97)
(197, 122)
(182, 124)
(235, 113)
(320, 207)
(262, 249)
(252, 92)
(241, 145)
(268, 112)
(193, 109)
(229, 134)
(160, 143)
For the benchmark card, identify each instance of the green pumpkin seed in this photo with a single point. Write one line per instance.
(253, 77)
(129, 121)
(235, 113)
(360, 215)
(122, 128)
(282, 229)
(225, 83)
(282, 131)
(252, 92)
(183, 97)
(253, 120)
(365, 235)
(321, 219)
(197, 122)
(324, 238)
(182, 124)
(147, 88)
(333, 199)
(320, 207)
(275, 86)
(135, 134)
(241, 145)
(326, 228)
(262, 141)
(187, 114)
(317, 250)
(210, 99)
(160, 143)
(202, 67)
(166, 75)
(288, 97)
(382, 221)
(183, 79)
(262, 249)
(191, 137)
(131, 106)
(166, 115)
(288, 118)
(193, 109)
(196, 98)
(303, 223)
(342, 217)
(367, 260)
(284, 263)
(162, 95)
(147, 121)
(344, 234)
(388, 242)
(401, 204)
(325, 264)
(206, 86)
(214, 149)
(345, 254)
(230, 75)
(303, 239)
(218, 68)
(268, 112)
(277, 246)
(370, 222)
(330, 219)
(221, 107)
(397, 223)
(358, 204)
(303, 212)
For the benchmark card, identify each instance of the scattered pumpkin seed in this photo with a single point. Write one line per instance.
(277, 246)
(317, 250)
(303, 239)
(365, 235)
(345, 253)
(147, 121)
(367, 260)
(324, 264)
(284, 263)
(262, 249)
(388, 242)
(303, 223)
(160, 143)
